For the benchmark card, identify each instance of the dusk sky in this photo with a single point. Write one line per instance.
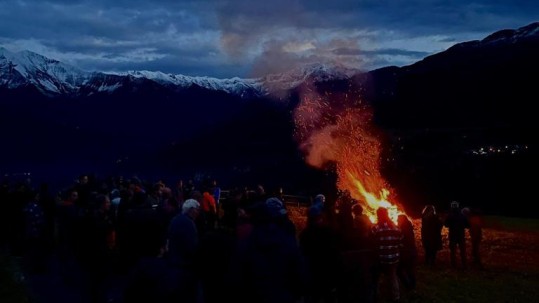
(248, 38)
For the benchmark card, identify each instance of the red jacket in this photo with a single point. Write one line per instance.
(208, 203)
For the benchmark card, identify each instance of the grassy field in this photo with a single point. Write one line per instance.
(510, 253)
(510, 273)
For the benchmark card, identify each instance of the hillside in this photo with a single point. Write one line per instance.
(458, 124)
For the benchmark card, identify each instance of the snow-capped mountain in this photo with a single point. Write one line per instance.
(499, 46)
(475, 83)
(315, 72)
(530, 31)
(233, 85)
(473, 94)
(52, 77)
(47, 75)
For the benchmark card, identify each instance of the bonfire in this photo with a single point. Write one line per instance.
(337, 128)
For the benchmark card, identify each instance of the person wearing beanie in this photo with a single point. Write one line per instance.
(275, 207)
(279, 215)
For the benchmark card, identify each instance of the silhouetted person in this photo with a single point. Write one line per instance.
(18, 199)
(408, 258)
(209, 208)
(35, 236)
(319, 201)
(140, 227)
(230, 207)
(279, 215)
(5, 214)
(188, 189)
(182, 245)
(68, 232)
(327, 207)
(319, 245)
(268, 266)
(456, 223)
(344, 216)
(356, 283)
(151, 279)
(387, 239)
(83, 187)
(216, 193)
(96, 246)
(431, 234)
(214, 255)
(48, 204)
(475, 230)
(362, 224)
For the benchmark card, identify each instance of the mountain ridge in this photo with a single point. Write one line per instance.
(435, 113)
(54, 78)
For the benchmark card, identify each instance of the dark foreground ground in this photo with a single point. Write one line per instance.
(510, 254)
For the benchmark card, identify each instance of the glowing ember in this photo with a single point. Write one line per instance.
(337, 128)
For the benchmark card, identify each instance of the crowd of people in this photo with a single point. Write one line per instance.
(188, 243)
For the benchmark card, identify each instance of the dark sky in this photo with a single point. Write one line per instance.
(247, 38)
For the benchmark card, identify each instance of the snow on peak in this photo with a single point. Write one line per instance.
(46, 74)
(529, 30)
(54, 77)
(315, 72)
(512, 35)
(230, 85)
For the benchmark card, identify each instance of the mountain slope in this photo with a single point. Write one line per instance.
(54, 78)
(474, 96)
(473, 84)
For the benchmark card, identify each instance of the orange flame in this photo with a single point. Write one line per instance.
(373, 202)
(338, 129)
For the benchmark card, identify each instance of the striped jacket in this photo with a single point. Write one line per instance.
(388, 242)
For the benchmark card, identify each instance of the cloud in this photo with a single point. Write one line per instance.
(251, 37)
